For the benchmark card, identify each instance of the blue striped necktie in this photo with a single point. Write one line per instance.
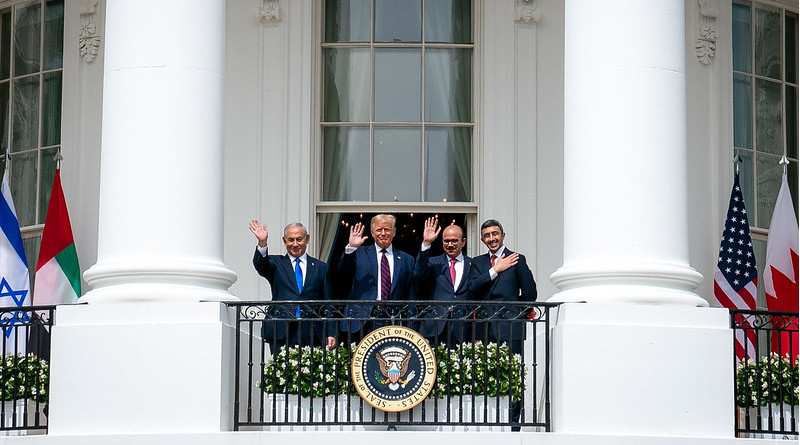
(386, 277)
(298, 276)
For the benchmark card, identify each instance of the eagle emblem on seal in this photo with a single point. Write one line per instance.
(393, 362)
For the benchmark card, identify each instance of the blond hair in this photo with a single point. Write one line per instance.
(383, 217)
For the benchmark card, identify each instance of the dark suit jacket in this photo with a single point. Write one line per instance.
(360, 268)
(434, 273)
(513, 284)
(279, 271)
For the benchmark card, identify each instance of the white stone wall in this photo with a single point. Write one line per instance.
(271, 139)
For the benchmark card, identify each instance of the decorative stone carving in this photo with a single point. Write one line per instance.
(527, 12)
(270, 11)
(88, 40)
(706, 44)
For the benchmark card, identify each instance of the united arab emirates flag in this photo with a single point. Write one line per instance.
(58, 276)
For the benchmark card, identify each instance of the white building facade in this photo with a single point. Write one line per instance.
(601, 134)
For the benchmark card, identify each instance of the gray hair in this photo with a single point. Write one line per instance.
(295, 224)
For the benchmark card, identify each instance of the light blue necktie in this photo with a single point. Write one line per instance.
(298, 276)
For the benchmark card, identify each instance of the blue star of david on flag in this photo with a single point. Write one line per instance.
(12, 318)
(14, 275)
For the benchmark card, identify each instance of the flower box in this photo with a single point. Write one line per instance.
(344, 412)
(760, 416)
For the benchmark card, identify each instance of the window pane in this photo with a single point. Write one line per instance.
(53, 34)
(769, 112)
(791, 121)
(448, 164)
(746, 182)
(23, 186)
(26, 114)
(397, 164)
(742, 106)
(741, 38)
(791, 178)
(398, 20)
(51, 109)
(5, 45)
(791, 48)
(4, 116)
(448, 21)
(769, 173)
(48, 172)
(398, 80)
(347, 20)
(345, 159)
(26, 39)
(347, 80)
(760, 254)
(768, 43)
(448, 85)
(31, 247)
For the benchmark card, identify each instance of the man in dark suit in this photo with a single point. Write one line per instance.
(377, 272)
(294, 276)
(502, 275)
(446, 276)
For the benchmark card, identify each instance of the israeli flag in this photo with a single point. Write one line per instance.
(14, 278)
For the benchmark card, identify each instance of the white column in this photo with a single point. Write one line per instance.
(625, 178)
(161, 188)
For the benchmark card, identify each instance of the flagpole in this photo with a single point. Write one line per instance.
(785, 163)
(737, 161)
(58, 159)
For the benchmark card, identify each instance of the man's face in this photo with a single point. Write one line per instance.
(383, 234)
(295, 241)
(493, 238)
(453, 241)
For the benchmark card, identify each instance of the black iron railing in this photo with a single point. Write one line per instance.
(766, 367)
(24, 370)
(493, 364)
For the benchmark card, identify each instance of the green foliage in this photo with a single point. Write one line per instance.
(469, 369)
(24, 377)
(478, 369)
(772, 379)
(310, 372)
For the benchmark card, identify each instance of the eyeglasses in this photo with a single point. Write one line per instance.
(451, 241)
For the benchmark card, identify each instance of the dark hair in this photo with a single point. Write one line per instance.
(492, 223)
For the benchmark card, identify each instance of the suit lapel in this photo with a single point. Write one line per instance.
(464, 272)
(289, 268)
(311, 271)
(446, 266)
(397, 264)
(372, 258)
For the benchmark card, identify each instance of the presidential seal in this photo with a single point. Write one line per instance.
(393, 368)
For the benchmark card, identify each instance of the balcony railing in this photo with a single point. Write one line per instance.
(493, 362)
(766, 374)
(24, 370)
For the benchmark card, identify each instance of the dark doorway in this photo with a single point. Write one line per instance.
(408, 238)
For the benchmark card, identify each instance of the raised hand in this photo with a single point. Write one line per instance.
(431, 231)
(356, 235)
(260, 232)
(505, 262)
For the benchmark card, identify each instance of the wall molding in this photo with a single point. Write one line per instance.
(706, 44)
(88, 39)
(526, 12)
(269, 11)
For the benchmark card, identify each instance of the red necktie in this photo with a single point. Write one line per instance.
(493, 258)
(386, 277)
(453, 262)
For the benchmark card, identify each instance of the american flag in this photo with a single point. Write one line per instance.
(736, 277)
